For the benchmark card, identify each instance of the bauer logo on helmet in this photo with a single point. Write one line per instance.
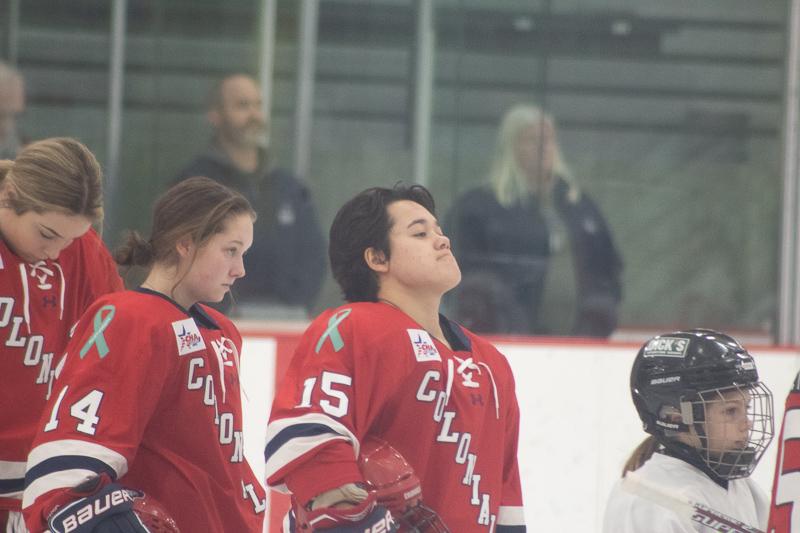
(665, 380)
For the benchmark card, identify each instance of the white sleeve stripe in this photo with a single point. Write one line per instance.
(12, 494)
(12, 469)
(511, 516)
(59, 448)
(57, 480)
(277, 426)
(296, 448)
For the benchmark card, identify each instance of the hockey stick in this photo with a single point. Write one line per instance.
(688, 511)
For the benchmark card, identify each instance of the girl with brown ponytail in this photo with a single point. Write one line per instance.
(149, 396)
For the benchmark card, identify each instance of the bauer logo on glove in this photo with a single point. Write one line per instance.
(111, 509)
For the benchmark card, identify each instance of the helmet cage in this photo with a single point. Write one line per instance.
(726, 447)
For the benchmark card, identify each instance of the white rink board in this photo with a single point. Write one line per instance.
(578, 424)
(257, 377)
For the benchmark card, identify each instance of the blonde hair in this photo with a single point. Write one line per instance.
(57, 174)
(508, 181)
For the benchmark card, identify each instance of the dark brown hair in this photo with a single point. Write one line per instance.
(362, 223)
(196, 207)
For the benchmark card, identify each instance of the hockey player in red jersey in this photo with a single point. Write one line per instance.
(52, 267)
(149, 395)
(388, 365)
(784, 513)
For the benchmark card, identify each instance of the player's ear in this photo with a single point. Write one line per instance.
(376, 260)
(184, 247)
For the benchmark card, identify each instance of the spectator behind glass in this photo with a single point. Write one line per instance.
(12, 105)
(286, 263)
(513, 237)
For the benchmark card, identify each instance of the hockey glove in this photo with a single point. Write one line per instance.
(109, 510)
(328, 514)
(380, 520)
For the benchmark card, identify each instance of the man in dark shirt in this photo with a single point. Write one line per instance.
(286, 263)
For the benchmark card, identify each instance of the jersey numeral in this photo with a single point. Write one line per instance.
(53, 422)
(336, 403)
(85, 410)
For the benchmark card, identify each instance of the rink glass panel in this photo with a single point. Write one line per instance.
(669, 116)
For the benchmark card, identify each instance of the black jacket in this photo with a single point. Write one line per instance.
(510, 248)
(286, 263)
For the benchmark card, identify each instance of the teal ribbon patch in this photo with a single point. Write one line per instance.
(97, 339)
(332, 332)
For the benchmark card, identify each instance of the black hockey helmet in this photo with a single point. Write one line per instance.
(677, 376)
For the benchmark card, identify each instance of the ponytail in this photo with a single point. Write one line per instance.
(641, 454)
(134, 251)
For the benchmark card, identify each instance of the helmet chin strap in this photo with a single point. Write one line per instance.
(719, 466)
(693, 456)
(683, 421)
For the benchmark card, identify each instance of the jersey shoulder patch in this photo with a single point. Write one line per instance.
(187, 336)
(422, 344)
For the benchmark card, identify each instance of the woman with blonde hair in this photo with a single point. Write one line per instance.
(52, 267)
(531, 238)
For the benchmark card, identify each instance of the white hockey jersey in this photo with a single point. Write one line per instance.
(631, 513)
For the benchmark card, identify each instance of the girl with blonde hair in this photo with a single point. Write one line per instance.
(52, 267)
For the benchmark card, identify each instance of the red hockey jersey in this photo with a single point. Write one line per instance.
(784, 513)
(368, 368)
(150, 395)
(39, 304)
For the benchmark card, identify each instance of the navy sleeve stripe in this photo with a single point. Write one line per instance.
(293, 432)
(510, 529)
(68, 462)
(8, 486)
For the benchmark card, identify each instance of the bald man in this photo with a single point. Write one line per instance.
(286, 263)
